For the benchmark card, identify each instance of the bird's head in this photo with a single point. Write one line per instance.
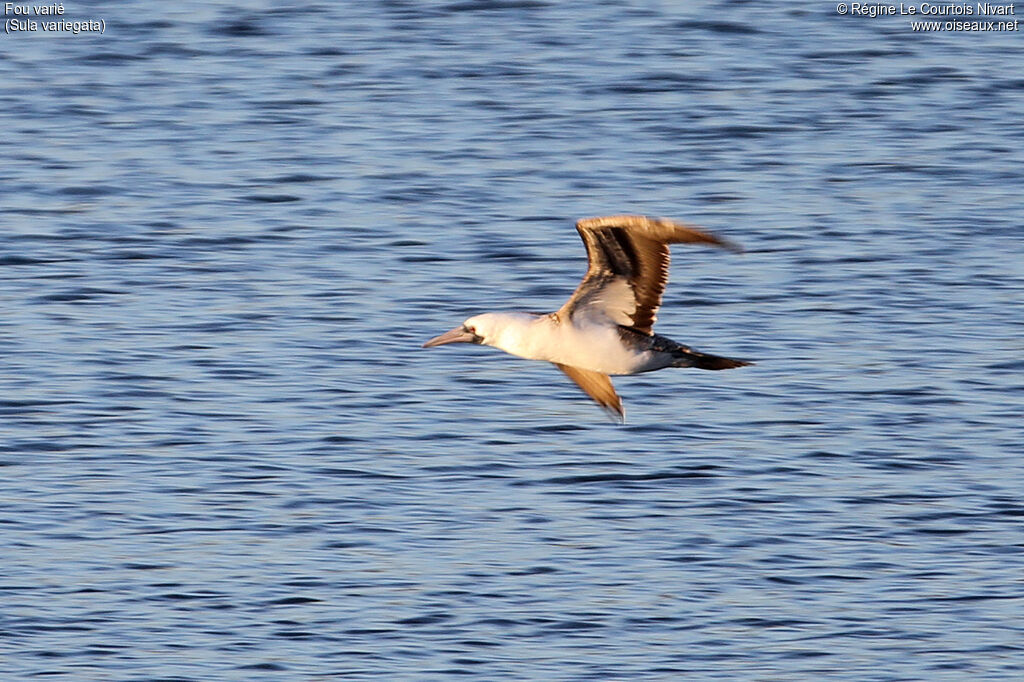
(477, 329)
(501, 330)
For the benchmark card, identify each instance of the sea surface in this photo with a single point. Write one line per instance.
(227, 228)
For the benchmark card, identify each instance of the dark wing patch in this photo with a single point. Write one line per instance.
(633, 250)
(619, 251)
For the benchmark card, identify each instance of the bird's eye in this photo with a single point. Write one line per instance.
(470, 330)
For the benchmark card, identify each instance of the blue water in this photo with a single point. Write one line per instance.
(225, 232)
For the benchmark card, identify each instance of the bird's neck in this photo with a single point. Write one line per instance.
(517, 333)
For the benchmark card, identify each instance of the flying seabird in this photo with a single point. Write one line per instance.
(606, 325)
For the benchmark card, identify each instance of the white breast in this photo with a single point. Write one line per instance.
(596, 347)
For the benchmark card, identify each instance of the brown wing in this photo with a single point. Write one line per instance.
(598, 386)
(629, 267)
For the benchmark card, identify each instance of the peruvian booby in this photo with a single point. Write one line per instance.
(606, 325)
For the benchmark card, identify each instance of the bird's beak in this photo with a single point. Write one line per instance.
(457, 335)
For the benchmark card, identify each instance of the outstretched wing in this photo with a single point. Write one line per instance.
(628, 268)
(598, 386)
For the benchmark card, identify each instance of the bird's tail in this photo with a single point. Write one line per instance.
(691, 358)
